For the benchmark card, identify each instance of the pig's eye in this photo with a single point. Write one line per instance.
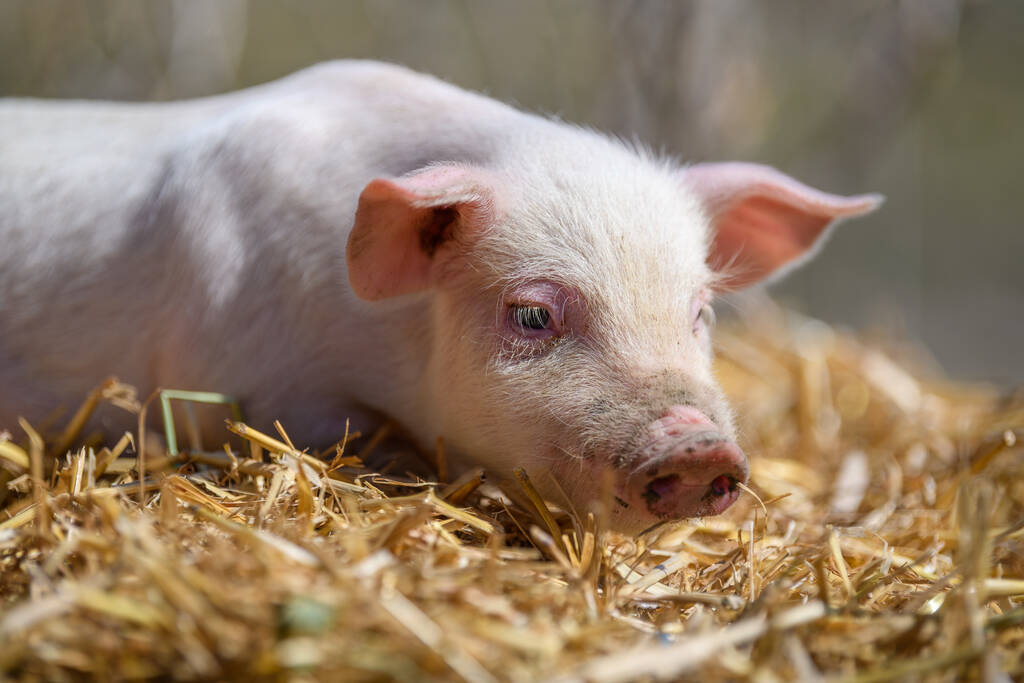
(535, 313)
(531, 317)
(707, 315)
(704, 318)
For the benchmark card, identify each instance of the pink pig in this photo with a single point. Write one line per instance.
(361, 241)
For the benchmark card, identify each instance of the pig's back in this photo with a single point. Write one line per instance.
(132, 231)
(85, 173)
(69, 163)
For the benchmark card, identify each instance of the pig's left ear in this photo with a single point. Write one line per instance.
(765, 222)
(405, 227)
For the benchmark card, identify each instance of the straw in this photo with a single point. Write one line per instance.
(880, 538)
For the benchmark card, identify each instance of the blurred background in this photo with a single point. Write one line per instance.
(922, 100)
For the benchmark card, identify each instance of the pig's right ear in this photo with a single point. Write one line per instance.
(405, 228)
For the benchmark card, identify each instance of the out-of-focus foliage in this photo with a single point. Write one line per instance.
(920, 99)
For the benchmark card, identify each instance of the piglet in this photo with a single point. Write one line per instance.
(361, 241)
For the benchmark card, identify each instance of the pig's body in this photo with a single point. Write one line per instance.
(202, 245)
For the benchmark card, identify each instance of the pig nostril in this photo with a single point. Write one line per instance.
(662, 488)
(722, 485)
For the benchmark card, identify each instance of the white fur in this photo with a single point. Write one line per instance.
(200, 245)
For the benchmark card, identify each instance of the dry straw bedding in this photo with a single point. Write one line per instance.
(881, 539)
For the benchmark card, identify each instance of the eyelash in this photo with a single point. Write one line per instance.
(531, 317)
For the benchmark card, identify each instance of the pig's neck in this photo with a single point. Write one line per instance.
(384, 359)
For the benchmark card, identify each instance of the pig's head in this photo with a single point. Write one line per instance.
(570, 309)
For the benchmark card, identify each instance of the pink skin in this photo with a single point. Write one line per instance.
(408, 230)
(687, 468)
(438, 194)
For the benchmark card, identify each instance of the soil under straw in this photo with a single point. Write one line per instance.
(885, 542)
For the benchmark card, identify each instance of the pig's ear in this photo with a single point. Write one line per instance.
(765, 222)
(405, 227)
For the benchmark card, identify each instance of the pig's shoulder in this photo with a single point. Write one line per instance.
(371, 78)
(368, 117)
(360, 73)
(379, 94)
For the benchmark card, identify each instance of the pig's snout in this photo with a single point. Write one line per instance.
(686, 468)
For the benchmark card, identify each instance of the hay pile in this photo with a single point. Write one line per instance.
(885, 542)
